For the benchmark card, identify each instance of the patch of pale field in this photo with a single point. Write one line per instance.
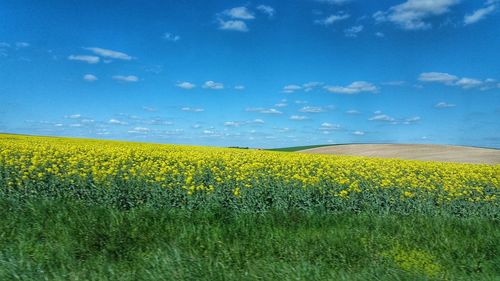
(425, 152)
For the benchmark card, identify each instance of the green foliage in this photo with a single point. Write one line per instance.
(67, 240)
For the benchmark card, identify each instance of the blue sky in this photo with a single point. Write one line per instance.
(253, 73)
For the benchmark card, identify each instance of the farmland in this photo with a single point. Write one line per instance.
(133, 209)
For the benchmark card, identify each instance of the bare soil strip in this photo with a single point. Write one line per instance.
(426, 152)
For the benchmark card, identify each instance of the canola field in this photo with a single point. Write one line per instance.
(126, 175)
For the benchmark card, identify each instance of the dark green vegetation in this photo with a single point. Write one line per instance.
(298, 148)
(66, 240)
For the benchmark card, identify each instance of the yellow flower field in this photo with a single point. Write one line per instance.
(30, 162)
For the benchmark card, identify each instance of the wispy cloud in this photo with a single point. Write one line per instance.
(291, 89)
(480, 14)
(242, 13)
(353, 112)
(453, 80)
(171, 37)
(329, 127)
(139, 130)
(232, 124)
(263, 110)
(84, 58)
(354, 88)
(312, 109)
(443, 104)
(22, 44)
(439, 77)
(117, 122)
(333, 19)
(298, 117)
(309, 86)
(149, 109)
(413, 14)
(382, 117)
(213, 85)
(185, 85)
(89, 77)
(239, 87)
(129, 78)
(73, 116)
(234, 25)
(192, 109)
(358, 133)
(106, 53)
(268, 10)
(353, 31)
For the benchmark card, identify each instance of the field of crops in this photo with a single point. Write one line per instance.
(78, 209)
(131, 174)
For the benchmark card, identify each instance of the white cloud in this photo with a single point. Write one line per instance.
(73, 116)
(263, 110)
(234, 25)
(268, 10)
(232, 124)
(379, 34)
(309, 86)
(333, 19)
(89, 77)
(413, 14)
(329, 126)
(239, 87)
(213, 85)
(358, 133)
(239, 13)
(394, 83)
(192, 109)
(301, 102)
(353, 112)
(109, 53)
(298, 117)
(353, 31)
(129, 78)
(185, 85)
(291, 88)
(412, 120)
(171, 37)
(467, 83)
(22, 44)
(139, 130)
(382, 117)
(85, 58)
(117, 122)
(149, 109)
(480, 14)
(439, 77)
(258, 121)
(353, 88)
(444, 105)
(452, 80)
(281, 105)
(312, 109)
(4, 45)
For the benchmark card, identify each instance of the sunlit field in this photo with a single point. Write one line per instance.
(137, 211)
(133, 174)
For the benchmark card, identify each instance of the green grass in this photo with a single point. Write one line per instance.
(298, 148)
(66, 240)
